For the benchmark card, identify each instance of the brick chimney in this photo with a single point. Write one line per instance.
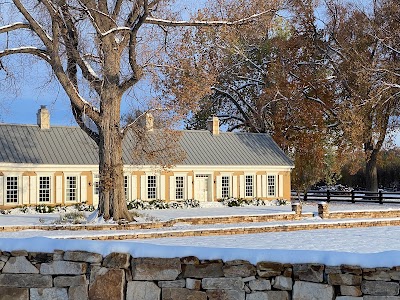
(149, 122)
(213, 125)
(43, 117)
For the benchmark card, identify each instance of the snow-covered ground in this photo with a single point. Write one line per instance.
(368, 247)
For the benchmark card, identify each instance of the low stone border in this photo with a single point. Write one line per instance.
(290, 216)
(247, 230)
(81, 275)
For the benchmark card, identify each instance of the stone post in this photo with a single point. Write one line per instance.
(297, 208)
(323, 210)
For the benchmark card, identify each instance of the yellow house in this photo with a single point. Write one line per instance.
(43, 164)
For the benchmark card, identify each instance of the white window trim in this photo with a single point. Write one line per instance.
(129, 179)
(185, 188)
(254, 184)
(78, 189)
(38, 175)
(275, 175)
(158, 182)
(19, 187)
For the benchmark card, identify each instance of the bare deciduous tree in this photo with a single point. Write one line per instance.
(97, 50)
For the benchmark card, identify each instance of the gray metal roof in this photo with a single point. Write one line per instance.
(71, 146)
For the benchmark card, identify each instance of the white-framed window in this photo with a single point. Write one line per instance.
(71, 186)
(151, 187)
(271, 185)
(44, 188)
(12, 189)
(249, 185)
(96, 184)
(179, 188)
(225, 186)
(126, 187)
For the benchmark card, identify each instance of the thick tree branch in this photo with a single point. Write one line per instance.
(14, 26)
(196, 23)
(34, 25)
(26, 50)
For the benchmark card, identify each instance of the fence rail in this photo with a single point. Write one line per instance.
(348, 196)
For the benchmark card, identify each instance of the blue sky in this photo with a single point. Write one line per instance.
(20, 103)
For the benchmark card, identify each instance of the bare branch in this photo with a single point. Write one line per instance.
(26, 50)
(196, 23)
(14, 26)
(36, 27)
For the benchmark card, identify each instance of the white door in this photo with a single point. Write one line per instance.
(201, 188)
(96, 185)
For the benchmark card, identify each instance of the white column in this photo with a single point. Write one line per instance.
(83, 188)
(189, 187)
(219, 187)
(33, 189)
(162, 187)
(143, 187)
(59, 190)
(234, 186)
(241, 186)
(280, 185)
(134, 187)
(259, 186)
(25, 189)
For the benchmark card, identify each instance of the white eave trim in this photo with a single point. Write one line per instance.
(15, 167)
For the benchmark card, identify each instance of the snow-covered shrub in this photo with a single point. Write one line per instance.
(175, 205)
(77, 217)
(59, 209)
(190, 203)
(84, 207)
(233, 202)
(158, 204)
(256, 202)
(44, 209)
(137, 204)
(24, 209)
(281, 202)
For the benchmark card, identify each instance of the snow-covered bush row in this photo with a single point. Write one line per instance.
(160, 204)
(232, 202)
(44, 208)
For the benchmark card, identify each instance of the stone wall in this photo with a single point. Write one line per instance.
(78, 275)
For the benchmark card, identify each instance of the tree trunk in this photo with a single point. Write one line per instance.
(112, 203)
(371, 173)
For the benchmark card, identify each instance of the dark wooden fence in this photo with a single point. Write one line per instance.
(348, 196)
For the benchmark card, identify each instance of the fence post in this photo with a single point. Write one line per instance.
(328, 196)
(305, 196)
(353, 199)
(380, 197)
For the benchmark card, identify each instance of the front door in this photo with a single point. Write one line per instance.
(201, 188)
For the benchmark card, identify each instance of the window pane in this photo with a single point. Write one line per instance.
(12, 189)
(96, 179)
(151, 187)
(271, 185)
(249, 186)
(179, 188)
(126, 188)
(225, 187)
(72, 188)
(44, 188)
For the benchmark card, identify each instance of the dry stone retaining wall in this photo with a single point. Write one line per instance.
(79, 275)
